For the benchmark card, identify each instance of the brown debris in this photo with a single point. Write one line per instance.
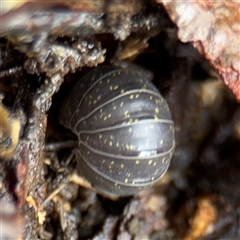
(202, 222)
(144, 215)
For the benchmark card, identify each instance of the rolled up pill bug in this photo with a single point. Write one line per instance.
(124, 128)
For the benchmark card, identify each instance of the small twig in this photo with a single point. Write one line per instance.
(54, 193)
(59, 145)
(10, 72)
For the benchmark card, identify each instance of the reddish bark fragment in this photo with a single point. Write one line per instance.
(214, 30)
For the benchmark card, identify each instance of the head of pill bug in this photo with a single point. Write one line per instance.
(124, 128)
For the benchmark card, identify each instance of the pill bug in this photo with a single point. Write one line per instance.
(124, 128)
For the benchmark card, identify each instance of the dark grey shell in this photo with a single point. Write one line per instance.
(124, 127)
